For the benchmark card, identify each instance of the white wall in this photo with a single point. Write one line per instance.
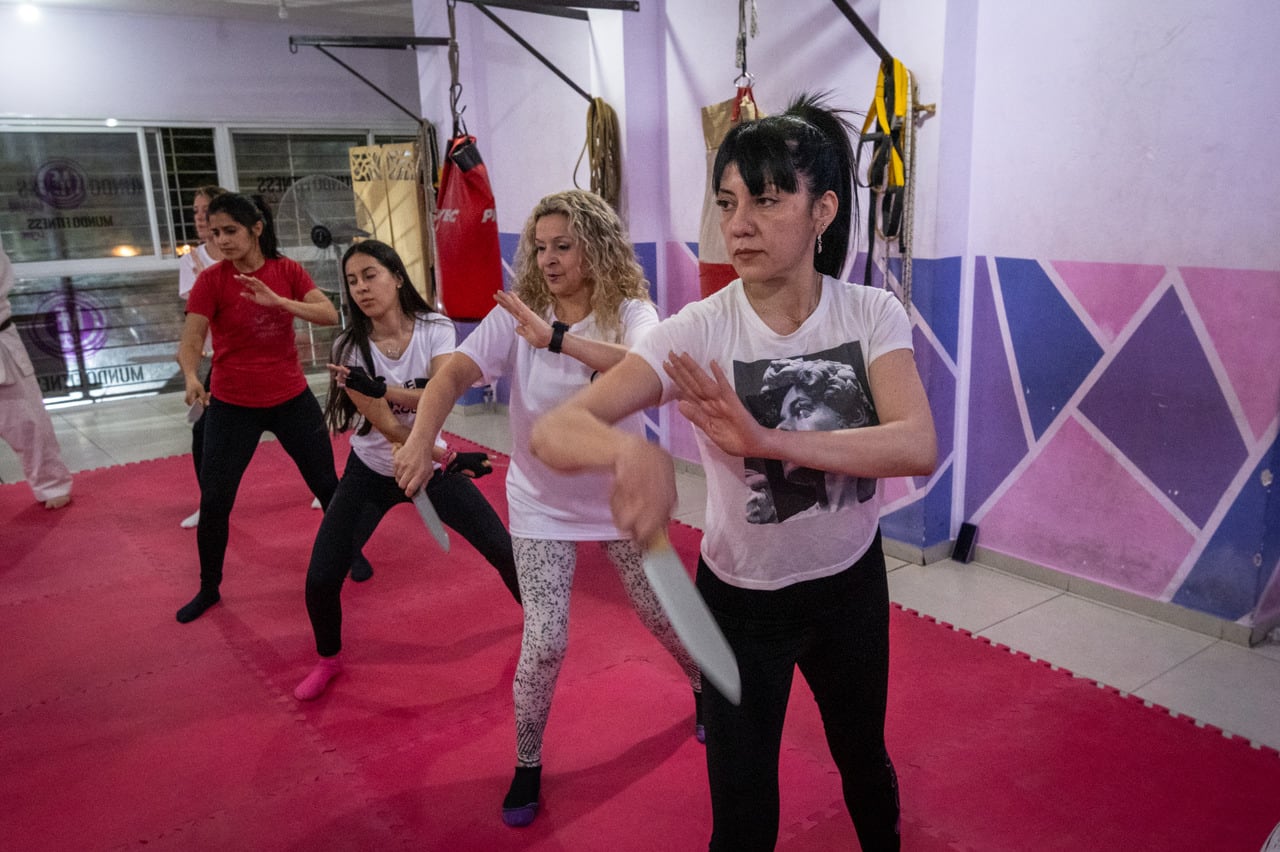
(951, 130)
(1128, 132)
(76, 64)
(802, 45)
(529, 125)
(914, 31)
(672, 59)
(1155, 145)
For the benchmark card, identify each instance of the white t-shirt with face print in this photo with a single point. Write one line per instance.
(769, 525)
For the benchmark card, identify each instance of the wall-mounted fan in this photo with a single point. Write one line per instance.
(317, 220)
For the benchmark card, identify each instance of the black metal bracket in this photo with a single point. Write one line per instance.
(865, 31)
(483, 9)
(574, 9)
(559, 8)
(378, 42)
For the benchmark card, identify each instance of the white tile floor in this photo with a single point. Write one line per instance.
(1211, 680)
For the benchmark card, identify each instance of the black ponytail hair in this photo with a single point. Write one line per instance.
(249, 212)
(805, 148)
(339, 410)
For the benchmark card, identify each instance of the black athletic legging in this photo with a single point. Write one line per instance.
(197, 433)
(362, 498)
(231, 436)
(836, 629)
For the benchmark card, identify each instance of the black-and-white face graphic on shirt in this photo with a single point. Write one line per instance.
(817, 392)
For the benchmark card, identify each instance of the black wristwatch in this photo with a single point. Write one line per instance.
(557, 335)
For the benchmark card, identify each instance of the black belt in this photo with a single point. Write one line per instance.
(6, 323)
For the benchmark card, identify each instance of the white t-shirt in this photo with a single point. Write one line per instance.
(432, 337)
(792, 525)
(188, 271)
(544, 503)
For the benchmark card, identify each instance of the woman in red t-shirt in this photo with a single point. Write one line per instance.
(248, 302)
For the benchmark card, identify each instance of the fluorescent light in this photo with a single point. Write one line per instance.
(28, 13)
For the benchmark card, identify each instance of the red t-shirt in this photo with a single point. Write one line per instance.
(255, 357)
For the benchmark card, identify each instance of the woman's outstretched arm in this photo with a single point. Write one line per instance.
(413, 460)
(579, 434)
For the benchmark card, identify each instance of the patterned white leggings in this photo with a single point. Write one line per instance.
(545, 569)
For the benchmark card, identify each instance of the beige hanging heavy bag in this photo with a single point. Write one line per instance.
(714, 268)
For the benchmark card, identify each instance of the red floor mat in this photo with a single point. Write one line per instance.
(123, 729)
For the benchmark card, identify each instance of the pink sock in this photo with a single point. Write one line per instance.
(313, 685)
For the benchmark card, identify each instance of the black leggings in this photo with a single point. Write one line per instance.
(836, 629)
(362, 498)
(231, 436)
(197, 434)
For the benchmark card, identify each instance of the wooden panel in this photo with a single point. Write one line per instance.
(387, 178)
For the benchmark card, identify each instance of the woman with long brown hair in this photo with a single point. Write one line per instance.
(394, 345)
(248, 302)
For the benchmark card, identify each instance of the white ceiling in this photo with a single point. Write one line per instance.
(355, 16)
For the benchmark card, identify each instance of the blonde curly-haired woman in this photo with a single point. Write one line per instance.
(578, 303)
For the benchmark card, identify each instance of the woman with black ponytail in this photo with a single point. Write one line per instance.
(802, 587)
(394, 343)
(248, 302)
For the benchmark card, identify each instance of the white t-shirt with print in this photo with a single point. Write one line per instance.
(543, 503)
(797, 536)
(433, 336)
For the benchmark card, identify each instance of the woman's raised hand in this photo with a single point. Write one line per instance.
(711, 404)
(256, 291)
(533, 328)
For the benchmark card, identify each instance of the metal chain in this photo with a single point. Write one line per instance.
(909, 206)
(455, 88)
(740, 55)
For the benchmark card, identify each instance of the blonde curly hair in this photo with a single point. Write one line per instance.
(609, 259)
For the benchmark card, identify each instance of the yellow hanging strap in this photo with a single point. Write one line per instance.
(880, 112)
(889, 183)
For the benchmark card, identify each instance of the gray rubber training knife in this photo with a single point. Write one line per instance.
(691, 619)
(429, 517)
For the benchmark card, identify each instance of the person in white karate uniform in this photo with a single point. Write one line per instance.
(25, 425)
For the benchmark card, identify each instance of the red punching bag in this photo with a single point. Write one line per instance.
(468, 258)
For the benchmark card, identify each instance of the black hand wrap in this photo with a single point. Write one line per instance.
(361, 382)
(477, 464)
